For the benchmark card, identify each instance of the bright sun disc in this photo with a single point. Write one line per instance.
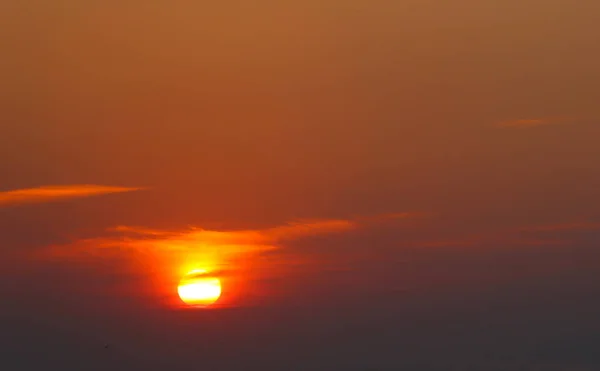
(198, 288)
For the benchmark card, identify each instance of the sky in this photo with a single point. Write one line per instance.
(379, 185)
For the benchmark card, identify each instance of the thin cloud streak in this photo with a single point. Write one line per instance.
(492, 241)
(219, 245)
(574, 226)
(534, 122)
(559, 234)
(57, 193)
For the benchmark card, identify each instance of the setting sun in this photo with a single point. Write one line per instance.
(199, 288)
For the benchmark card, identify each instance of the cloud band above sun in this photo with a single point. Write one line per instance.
(212, 245)
(241, 256)
(57, 193)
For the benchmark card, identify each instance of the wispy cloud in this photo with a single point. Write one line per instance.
(210, 247)
(232, 241)
(497, 240)
(392, 217)
(469, 241)
(558, 234)
(307, 228)
(241, 257)
(534, 122)
(57, 193)
(528, 365)
(573, 226)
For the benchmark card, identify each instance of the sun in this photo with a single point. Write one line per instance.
(199, 288)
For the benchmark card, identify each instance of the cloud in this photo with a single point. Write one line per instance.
(247, 239)
(573, 226)
(162, 257)
(209, 246)
(391, 217)
(497, 240)
(470, 241)
(57, 193)
(308, 228)
(522, 123)
(528, 365)
(533, 122)
(545, 235)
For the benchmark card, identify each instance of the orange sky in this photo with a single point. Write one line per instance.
(239, 118)
(339, 140)
(370, 104)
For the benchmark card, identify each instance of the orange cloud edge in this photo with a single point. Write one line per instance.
(225, 242)
(58, 192)
(164, 256)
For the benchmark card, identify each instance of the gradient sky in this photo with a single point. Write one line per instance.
(383, 185)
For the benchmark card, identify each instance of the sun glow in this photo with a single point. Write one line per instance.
(199, 288)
